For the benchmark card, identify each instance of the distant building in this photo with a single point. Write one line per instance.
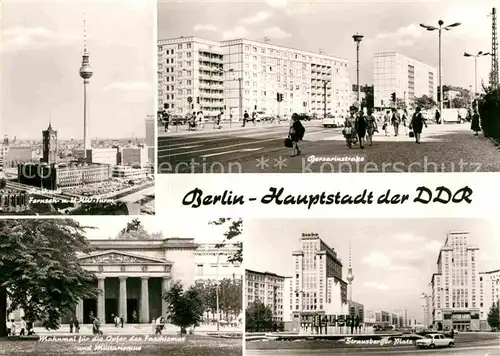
(212, 263)
(288, 296)
(267, 288)
(129, 172)
(104, 155)
(407, 77)
(49, 145)
(54, 177)
(15, 155)
(134, 156)
(13, 201)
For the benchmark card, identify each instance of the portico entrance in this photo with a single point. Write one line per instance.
(130, 285)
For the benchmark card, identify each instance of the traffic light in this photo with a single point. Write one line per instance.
(393, 97)
(197, 100)
(278, 97)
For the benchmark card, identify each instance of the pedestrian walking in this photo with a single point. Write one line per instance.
(122, 320)
(349, 130)
(13, 327)
(475, 126)
(361, 128)
(437, 116)
(296, 133)
(387, 122)
(417, 123)
(396, 121)
(219, 119)
(77, 325)
(404, 121)
(200, 120)
(166, 121)
(371, 128)
(246, 117)
(71, 326)
(192, 122)
(254, 117)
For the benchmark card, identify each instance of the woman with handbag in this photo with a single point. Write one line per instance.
(417, 123)
(295, 134)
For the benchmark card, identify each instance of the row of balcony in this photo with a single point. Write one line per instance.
(211, 77)
(204, 85)
(211, 68)
(209, 59)
(211, 95)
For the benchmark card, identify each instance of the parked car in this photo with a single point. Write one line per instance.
(431, 341)
(333, 121)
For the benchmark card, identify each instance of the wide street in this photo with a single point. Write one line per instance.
(260, 149)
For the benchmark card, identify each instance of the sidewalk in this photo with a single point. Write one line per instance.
(182, 130)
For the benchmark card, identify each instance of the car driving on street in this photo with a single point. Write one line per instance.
(431, 341)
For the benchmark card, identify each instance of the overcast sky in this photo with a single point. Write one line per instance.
(392, 260)
(329, 25)
(42, 53)
(110, 226)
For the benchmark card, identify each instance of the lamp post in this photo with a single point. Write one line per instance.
(357, 38)
(439, 29)
(479, 54)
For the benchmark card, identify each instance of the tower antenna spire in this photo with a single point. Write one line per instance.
(84, 33)
(350, 276)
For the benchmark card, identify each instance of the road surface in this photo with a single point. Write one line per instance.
(260, 149)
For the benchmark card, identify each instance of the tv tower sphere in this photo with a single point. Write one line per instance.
(350, 276)
(85, 69)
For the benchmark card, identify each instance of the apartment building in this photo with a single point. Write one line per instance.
(267, 288)
(455, 286)
(243, 75)
(405, 76)
(489, 293)
(212, 262)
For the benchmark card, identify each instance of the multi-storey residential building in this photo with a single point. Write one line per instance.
(243, 75)
(455, 292)
(190, 67)
(489, 293)
(288, 296)
(267, 288)
(407, 77)
(212, 262)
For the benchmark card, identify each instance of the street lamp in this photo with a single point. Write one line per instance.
(218, 246)
(479, 54)
(357, 38)
(440, 28)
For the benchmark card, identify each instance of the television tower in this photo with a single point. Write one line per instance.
(350, 276)
(86, 74)
(494, 50)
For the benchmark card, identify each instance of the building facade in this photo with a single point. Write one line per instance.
(150, 137)
(407, 77)
(129, 172)
(246, 75)
(212, 263)
(17, 154)
(267, 288)
(134, 156)
(107, 156)
(455, 285)
(489, 292)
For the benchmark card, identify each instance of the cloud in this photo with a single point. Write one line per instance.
(375, 285)
(236, 32)
(33, 38)
(259, 17)
(277, 3)
(276, 32)
(128, 87)
(207, 27)
(408, 237)
(377, 259)
(404, 36)
(433, 246)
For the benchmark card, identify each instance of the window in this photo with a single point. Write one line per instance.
(188, 54)
(179, 46)
(189, 45)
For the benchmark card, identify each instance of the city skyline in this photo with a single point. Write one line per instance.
(386, 26)
(387, 275)
(109, 226)
(42, 49)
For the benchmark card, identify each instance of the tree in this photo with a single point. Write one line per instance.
(494, 317)
(425, 102)
(230, 296)
(185, 307)
(234, 229)
(258, 317)
(207, 292)
(489, 111)
(134, 230)
(3, 183)
(400, 104)
(40, 271)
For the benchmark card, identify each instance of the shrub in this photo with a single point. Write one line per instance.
(489, 111)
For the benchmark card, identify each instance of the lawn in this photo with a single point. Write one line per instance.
(193, 346)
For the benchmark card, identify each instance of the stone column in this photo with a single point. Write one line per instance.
(101, 298)
(145, 300)
(79, 311)
(165, 286)
(123, 298)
